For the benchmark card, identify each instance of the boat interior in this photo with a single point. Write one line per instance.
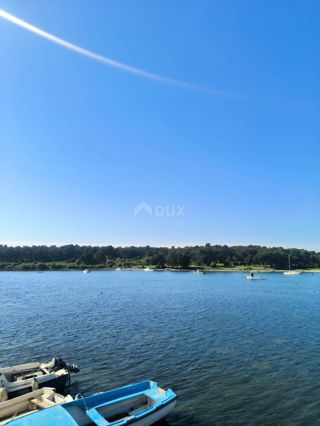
(111, 412)
(33, 401)
(20, 376)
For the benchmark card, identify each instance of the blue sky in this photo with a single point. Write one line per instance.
(82, 144)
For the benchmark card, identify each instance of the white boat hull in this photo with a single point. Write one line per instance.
(292, 273)
(156, 417)
(24, 378)
(57, 380)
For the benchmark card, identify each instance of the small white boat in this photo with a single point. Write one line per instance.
(118, 269)
(86, 271)
(30, 403)
(291, 272)
(148, 269)
(24, 378)
(198, 272)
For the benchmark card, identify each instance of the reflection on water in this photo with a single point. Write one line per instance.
(236, 352)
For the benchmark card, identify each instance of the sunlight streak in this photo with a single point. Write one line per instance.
(111, 62)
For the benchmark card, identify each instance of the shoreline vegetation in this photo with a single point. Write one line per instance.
(208, 258)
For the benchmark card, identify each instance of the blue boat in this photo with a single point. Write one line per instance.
(140, 404)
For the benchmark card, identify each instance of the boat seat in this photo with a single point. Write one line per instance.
(42, 404)
(10, 377)
(97, 418)
(122, 398)
(122, 419)
(79, 415)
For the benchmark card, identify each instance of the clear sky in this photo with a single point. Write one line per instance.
(83, 144)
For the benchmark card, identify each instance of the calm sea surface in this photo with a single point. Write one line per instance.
(236, 352)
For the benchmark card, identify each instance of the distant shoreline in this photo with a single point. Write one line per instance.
(207, 258)
(206, 270)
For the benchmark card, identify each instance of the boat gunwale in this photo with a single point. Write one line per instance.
(131, 396)
(135, 417)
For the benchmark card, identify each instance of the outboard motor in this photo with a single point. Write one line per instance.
(73, 368)
(58, 363)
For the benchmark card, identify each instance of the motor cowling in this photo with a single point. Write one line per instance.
(58, 363)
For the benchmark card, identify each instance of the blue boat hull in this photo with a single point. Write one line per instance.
(141, 404)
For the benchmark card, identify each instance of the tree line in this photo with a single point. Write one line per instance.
(210, 256)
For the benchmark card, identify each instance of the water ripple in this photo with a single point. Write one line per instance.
(237, 353)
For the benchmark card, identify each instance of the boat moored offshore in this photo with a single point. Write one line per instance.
(291, 272)
(199, 272)
(140, 404)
